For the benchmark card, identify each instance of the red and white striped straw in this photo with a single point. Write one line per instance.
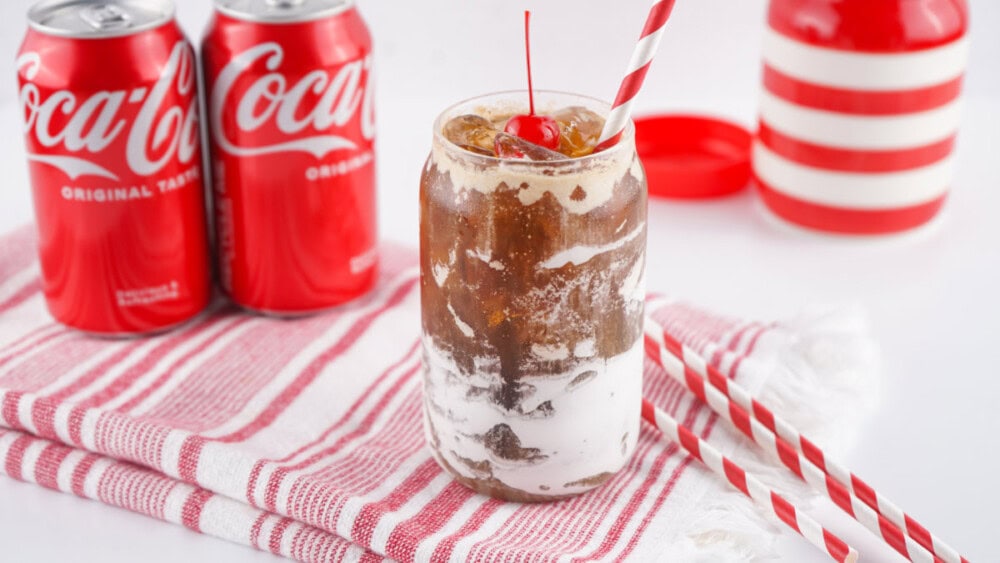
(789, 456)
(642, 57)
(749, 485)
(836, 471)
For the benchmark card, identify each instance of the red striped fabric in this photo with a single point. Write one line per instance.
(304, 438)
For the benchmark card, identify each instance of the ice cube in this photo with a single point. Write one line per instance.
(509, 146)
(472, 133)
(581, 129)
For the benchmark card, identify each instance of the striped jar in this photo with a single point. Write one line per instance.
(859, 111)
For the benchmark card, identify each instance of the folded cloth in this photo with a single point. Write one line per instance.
(303, 437)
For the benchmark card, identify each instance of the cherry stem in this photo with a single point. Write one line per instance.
(527, 54)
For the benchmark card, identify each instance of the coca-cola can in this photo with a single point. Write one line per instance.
(291, 122)
(109, 96)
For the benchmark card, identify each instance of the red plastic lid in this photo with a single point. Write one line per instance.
(690, 156)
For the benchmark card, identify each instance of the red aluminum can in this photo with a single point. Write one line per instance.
(109, 97)
(292, 149)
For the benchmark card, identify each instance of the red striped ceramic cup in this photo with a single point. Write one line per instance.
(859, 111)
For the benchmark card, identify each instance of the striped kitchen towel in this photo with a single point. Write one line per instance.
(304, 438)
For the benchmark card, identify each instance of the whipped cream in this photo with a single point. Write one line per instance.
(580, 185)
(569, 428)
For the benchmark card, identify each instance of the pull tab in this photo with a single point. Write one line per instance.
(105, 16)
(284, 4)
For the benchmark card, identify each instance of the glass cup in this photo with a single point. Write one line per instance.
(532, 291)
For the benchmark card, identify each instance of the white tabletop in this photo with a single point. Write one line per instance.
(933, 296)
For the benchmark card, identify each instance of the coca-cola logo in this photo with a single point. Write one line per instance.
(307, 113)
(155, 135)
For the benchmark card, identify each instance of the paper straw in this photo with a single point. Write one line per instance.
(739, 397)
(749, 485)
(789, 456)
(642, 57)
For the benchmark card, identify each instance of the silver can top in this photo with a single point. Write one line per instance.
(281, 11)
(87, 19)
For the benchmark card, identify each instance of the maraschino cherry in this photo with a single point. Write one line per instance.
(538, 129)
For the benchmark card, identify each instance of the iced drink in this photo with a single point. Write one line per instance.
(532, 286)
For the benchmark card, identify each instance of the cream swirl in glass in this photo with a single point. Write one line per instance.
(532, 288)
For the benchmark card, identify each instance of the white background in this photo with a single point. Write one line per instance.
(932, 296)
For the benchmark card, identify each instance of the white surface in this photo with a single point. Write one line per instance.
(932, 295)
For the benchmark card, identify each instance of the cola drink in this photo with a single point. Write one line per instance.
(532, 277)
(109, 97)
(291, 122)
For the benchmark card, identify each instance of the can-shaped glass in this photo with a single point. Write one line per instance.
(532, 290)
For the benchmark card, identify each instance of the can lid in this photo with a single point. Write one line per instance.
(96, 20)
(693, 157)
(281, 11)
